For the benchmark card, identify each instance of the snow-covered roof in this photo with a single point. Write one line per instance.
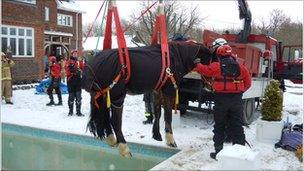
(91, 42)
(58, 33)
(71, 5)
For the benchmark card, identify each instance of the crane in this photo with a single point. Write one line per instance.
(246, 15)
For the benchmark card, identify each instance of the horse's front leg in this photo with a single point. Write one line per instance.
(168, 103)
(116, 123)
(157, 113)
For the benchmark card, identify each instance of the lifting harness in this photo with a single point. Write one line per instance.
(160, 29)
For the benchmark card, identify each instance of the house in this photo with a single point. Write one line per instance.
(33, 28)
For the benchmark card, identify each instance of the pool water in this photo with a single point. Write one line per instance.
(27, 148)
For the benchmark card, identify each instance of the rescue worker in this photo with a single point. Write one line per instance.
(231, 80)
(55, 76)
(73, 68)
(7, 63)
(149, 109)
(215, 44)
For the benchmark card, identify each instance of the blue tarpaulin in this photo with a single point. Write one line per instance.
(44, 84)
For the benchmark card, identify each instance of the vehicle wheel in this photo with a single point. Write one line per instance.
(248, 111)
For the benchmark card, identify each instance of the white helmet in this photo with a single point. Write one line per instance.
(218, 42)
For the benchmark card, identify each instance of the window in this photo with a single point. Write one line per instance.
(21, 47)
(27, 1)
(13, 45)
(64, 20)
(29, 47)
(4, 30)
(4, 44)
(20, 39)
(21, 32)
(47, 13)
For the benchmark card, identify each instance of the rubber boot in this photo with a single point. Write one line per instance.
(78, 107)
(59, 100)
(70, 109)
(217, 150)
(51, 100)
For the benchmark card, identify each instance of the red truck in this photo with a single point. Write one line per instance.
(263, 56)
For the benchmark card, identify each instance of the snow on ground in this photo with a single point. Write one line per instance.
(193, 135)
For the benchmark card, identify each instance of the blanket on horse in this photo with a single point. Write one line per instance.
(145, 66)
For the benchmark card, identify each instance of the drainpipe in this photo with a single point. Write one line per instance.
(77, 31)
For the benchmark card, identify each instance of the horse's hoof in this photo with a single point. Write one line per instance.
(124, 150)
(170, 140)
(111, 140)
(157, 137)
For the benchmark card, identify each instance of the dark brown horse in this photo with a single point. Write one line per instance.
(146, 68)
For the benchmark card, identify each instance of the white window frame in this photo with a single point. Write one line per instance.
(46, 13)
(17, 37)
(64, 17)
(28, 1)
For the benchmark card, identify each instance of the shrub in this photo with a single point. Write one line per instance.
(272, 102)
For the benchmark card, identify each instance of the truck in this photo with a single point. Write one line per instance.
(289, 64)
(256, 52)
(255, 55)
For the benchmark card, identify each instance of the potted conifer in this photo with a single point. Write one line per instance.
(270, 126)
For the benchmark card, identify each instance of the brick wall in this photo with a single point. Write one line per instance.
(13, 14)
(73, 29)
(28, 15)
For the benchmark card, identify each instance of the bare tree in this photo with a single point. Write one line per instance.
(86, 28)
(98, 30)
(178, 20)
(273, 24)
(290, 33)
(281, 27)
(277, 18)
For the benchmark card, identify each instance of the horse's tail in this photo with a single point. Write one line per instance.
(99, 122)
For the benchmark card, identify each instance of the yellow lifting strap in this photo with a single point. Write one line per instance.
(176, 100)
(170, 75)
(108, 99)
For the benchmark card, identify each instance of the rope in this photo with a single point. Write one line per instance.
(94, 22)
(143, 13)
(101, 30)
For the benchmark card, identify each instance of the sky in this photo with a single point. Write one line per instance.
(216, 14)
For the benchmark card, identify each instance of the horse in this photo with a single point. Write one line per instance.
(145, 70)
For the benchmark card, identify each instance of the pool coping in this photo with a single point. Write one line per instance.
(136, 148)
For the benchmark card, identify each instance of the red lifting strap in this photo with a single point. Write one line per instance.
(122, 48)
(160, 27)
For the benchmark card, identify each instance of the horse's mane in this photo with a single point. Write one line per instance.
(203, 51)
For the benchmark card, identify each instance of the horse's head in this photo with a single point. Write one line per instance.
(203, 54)
(190, 53)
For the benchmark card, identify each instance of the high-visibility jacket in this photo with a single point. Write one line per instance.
(6, 69)
(233, 85)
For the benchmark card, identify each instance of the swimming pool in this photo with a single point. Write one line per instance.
(27, 148)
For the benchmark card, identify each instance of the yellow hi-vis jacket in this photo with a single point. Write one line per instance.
(6, 69)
